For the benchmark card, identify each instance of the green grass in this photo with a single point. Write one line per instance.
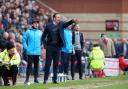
(119, 86)
(72, 83)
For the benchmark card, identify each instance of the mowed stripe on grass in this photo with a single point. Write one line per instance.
(93, 83)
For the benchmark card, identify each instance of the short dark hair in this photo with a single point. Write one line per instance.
(9, 45)
(73, 25)
(102, 35)
(96, 45)
(54, 15)
(121, 55)
(35, 21)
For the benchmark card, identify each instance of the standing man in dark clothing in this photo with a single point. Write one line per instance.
(78, 43)
(55, 40)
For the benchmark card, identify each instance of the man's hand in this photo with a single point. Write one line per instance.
(75, 20)
(73, 52)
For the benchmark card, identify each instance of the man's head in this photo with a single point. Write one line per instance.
(12, 37)
(96, 45)
(35, 23)
(76, 27)
(57, 17)
(5, 35)
(124, 40)
(10, 48)
(103, 36)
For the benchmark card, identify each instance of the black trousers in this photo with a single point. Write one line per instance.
(32, 59)
(52, 53)
(65, 58)
(77, 57)
(12, 72)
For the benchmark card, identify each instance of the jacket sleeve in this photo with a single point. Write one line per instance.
(82, 41)
(16, 60)
(24, 39)
(66, 24)
(73, 37)
(44, 35)
(2, 55)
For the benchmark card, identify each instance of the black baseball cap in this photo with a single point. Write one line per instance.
(35, 21)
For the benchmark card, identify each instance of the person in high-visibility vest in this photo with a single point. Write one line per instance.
(9, 62)
(96, 58)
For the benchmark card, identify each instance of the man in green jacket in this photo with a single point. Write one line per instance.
(9, 62)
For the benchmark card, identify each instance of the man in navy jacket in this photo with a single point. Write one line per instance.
(55, 40)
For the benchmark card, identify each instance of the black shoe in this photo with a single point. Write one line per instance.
(14, 83)
(27, 82)
(45, 82)
(36, 81)
(81, 78)
(7, 84)
(72, 78)
(55, 82)
(67, 78)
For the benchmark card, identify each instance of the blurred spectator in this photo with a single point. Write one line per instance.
(18, 13)
(107, 46)
(87, 48)
(3, 40)
(42, 60)
(19, 46)
(124, 47)
(117, 47)
(86, 51)
(12, 38)
(1, 29)
(5, 23)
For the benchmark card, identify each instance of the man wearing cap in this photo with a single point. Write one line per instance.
(32, 45)
(9, 62)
